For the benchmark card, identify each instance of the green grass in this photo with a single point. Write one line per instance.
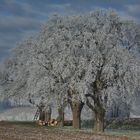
(20, 123)
(116, 132)
(129, 133)
(31, 124)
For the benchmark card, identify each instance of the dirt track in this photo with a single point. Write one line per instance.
(14, 132)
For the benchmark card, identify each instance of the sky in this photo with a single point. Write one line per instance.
(20, 19)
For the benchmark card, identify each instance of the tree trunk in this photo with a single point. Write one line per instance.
(76, 107)
(42, 115)
(60, 117)
(76, 111)
(47, 116)
(99, 121)
(99, 112)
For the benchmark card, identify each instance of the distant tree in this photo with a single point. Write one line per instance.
(119, 108)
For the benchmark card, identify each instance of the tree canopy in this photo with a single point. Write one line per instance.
(93, 56)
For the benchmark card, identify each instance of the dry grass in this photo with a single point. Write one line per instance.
(30, 131)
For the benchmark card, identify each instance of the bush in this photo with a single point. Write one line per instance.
(127, 124)
(87, 123)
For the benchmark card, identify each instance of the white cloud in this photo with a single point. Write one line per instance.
(60, 6)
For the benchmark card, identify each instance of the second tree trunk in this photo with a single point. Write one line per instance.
(76, 112)
(99, 121)
(60, 117)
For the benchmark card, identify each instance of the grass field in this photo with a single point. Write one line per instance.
(31, 131)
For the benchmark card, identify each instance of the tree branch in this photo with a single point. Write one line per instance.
(90, 105)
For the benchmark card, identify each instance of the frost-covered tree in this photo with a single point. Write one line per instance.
(113, 69)
(17, 72)
(95, 55)
(90, 59)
